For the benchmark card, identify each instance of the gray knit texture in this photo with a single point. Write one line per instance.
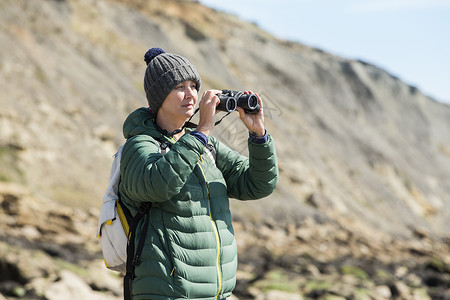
(163, 73)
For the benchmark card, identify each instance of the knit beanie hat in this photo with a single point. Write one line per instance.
(164, 71)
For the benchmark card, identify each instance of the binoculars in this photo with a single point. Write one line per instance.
(230, 100)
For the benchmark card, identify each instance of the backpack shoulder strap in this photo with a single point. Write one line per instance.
(163, 147)
(132, 258)
(211, 152)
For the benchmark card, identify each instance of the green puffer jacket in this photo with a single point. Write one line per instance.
(190, 251)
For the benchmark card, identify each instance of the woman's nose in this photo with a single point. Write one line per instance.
(190, 92)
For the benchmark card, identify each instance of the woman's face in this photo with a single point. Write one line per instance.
(180, 103)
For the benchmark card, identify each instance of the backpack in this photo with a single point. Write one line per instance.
(114, 222)
(116, 225)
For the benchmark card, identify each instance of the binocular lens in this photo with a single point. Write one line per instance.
(248, 102)
(231, 104)
(252, 101)
(227, 104)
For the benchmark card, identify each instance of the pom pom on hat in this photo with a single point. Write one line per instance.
(152, 53)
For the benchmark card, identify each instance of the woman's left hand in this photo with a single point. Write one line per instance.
(253, 122)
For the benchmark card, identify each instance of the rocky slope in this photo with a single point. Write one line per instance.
(362, 208)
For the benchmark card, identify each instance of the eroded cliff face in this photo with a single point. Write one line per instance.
(358, 148)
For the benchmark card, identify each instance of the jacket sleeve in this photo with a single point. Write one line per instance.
(147, 175)
(254, 177)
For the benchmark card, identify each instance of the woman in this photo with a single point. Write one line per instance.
(189, 251)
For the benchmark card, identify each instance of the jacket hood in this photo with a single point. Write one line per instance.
(141, 121)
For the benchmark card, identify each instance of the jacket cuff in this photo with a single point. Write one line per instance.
(258, 139)
(200, 136)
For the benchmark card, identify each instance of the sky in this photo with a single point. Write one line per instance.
(408, 38)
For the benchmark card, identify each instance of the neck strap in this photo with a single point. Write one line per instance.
(189, 124)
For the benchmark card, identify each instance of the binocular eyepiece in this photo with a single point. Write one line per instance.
(230, 100)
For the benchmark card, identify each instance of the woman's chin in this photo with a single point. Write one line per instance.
(189, 112)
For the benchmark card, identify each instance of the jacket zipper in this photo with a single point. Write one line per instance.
(216, 233)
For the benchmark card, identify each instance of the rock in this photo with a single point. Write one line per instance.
(401, 271)
(102, 279)
(361, 295)
(383, 291)
(313, 270)
(420, 294)
(279, 295)
(403, 290)
(413, 280)
(30, 232)
(71, 286)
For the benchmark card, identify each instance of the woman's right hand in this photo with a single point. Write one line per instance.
(207, 107)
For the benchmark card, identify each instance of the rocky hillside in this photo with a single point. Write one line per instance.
(362, 209)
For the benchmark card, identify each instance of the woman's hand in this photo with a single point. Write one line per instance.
(253, 122)
(207, 106)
